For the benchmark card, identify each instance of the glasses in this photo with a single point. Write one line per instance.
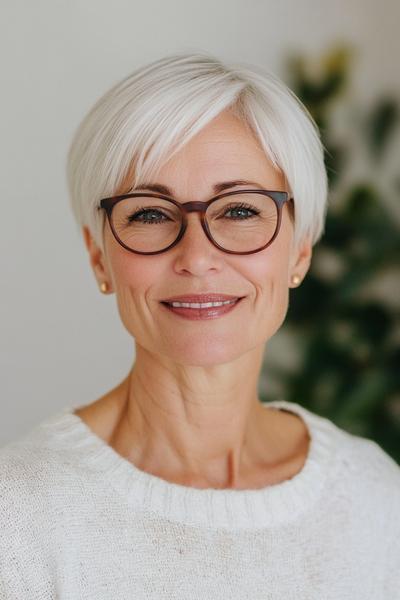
(238, 222)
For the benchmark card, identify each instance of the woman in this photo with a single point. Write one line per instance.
(200, 190)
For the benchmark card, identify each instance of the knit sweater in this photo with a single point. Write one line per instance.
(78, 521)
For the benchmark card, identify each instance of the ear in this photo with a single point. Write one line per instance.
(97, 259)
(300, 261)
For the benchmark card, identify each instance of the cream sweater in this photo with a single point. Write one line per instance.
(79, 521)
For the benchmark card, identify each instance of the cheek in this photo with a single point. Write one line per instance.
(133, 279)
(129, 271)
(268, 271)
(133, 274)
(134, 283)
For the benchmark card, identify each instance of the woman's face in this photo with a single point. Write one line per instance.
(223, 151)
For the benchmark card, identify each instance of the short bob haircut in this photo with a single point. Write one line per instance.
(143, 120)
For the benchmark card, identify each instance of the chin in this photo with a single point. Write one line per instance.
(207, 353)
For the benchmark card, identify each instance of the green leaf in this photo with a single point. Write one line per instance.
(381, 126)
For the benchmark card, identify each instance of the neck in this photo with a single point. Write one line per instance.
(196, 426)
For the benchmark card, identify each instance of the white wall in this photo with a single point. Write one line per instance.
(61, 339)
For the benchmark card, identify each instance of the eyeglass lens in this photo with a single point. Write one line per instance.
(240, 222)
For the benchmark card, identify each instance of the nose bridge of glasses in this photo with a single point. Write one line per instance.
(195, 206)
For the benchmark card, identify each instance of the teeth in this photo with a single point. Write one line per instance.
(200, 305)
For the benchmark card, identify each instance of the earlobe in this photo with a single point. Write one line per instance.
(295, 280)
(302, 261)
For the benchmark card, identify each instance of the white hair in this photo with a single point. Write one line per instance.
(147, 117)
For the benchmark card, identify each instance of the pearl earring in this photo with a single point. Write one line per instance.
(296, 279)
(103, 287)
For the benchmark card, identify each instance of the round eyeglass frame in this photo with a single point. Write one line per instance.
(278, 197)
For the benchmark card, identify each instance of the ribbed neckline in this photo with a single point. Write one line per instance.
(213, 508)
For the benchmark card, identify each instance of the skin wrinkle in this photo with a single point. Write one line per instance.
(188, 410)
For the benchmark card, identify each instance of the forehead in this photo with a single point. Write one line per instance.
(224, 149)
(224, 141)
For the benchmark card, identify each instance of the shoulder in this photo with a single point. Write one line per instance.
(368, 471)
(30, 516)
(363, 459)
(358, 451)
(27, 470)
(39, 475)
(359, 468)
(23, 463)
(46, 497)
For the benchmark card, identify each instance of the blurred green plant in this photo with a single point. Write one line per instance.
(349, 369)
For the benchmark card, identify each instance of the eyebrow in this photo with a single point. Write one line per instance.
(217, 188)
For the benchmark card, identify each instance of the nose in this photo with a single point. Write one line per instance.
(194, 251)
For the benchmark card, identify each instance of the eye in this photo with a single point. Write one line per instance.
(143, 212)
(242, 208)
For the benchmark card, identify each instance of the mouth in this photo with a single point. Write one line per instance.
(202, 310)
(200, 304)
(205, 298)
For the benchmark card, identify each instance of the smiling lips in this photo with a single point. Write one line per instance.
(202, 310)
(197, 300)
(199, 304)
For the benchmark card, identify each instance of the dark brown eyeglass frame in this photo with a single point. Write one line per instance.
(187, 207)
